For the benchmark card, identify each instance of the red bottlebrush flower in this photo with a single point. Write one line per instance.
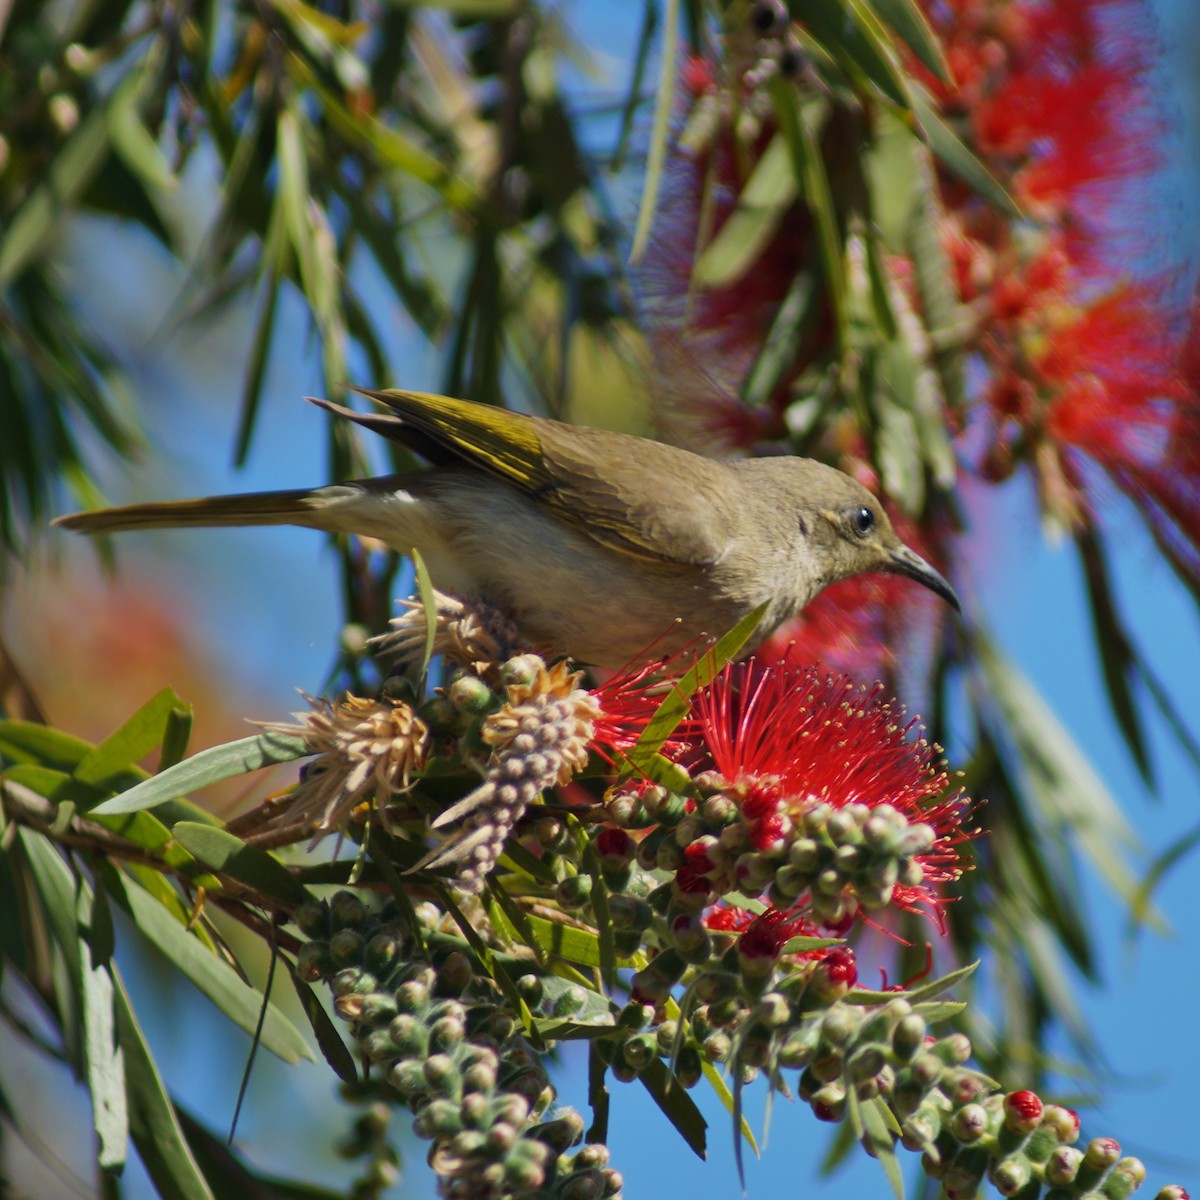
(1022, 1111)
(835, 974)
(628, 698)
(765, 936)
(789, 738)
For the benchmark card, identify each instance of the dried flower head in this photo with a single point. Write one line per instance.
(539, 738)
(367, 752)
(472, 635)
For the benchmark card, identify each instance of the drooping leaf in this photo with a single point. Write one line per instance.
(210, 974)
(209, 766)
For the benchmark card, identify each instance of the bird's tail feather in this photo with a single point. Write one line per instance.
(251, 508)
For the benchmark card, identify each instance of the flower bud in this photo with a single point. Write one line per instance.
(1063, 1166)
(574, 891)
(346, 947)
(346, 911)
(1022, 1112)
(1010, 1175)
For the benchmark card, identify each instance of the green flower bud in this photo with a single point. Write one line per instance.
(313, 961)
(312, 918)
(688, 1069)
(798, 1048)
(969, 1123)
(716, 1047)
(346, 947)
(574, 891)
(469, 694)
(441, 1074)
(407, 1076)
(865, 1063)
(592, 1157)
(583, 1185)
(840, 1024)
(531, 989)
(346, 911)
(408, 1035)
(1010, 1175)
(412, 996)
(909, 1036)
(829, 1102)
(639, 1050)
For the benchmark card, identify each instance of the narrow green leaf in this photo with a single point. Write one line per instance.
(674, 708)
(878, 1140)
(175, 737)
(1162, 864)
(130, 137)
(56, 889)
(209, 766)
(133, 740)
(211, 975)
(907, 19)
(659, 134)
(232, 1179)
(853, 37)
(153, 1124)
(1070, 794)
(273, 268)
(37, 223)
(105, 1059)
(677, 1105)
(717, 1083)
(30, 741)
(959, 160)
(429, 605)
(799, 122)
(1118, 659)
(762, 204)
(335, 1051)
(229, 855)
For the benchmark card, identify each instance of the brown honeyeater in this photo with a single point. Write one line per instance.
(596, 544)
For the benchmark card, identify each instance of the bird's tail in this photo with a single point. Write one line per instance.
(251, 508)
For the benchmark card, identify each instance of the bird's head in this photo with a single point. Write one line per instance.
(830, 527)
(855, 535)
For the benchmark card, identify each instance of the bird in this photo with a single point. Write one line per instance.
(595, 544)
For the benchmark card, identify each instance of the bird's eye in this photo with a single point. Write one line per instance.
(862, 520)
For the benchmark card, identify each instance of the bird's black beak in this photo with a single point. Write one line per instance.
(903, 561)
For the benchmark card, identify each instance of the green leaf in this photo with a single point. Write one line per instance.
(153, 1124)
(429, 605)
(677, 1105)
(1070, 794)
(130, 137)
(105, 1059)
(674, 708)
(855, 39)
(30, 741)
(907, 19)
(55, 886)
(799, 123)
(717, 1082)
(959, 160)
(659, 134)
(761, 205)
(37, 223)
(117, 754)
(211, 975)
(229, 855)
(209, 766)
(335, 1051)
(232, 1179)
(1118, 659)
(879, 1131)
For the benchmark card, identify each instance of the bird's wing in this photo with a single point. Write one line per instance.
(594, 480)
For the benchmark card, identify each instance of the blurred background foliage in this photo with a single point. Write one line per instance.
(886, 233)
